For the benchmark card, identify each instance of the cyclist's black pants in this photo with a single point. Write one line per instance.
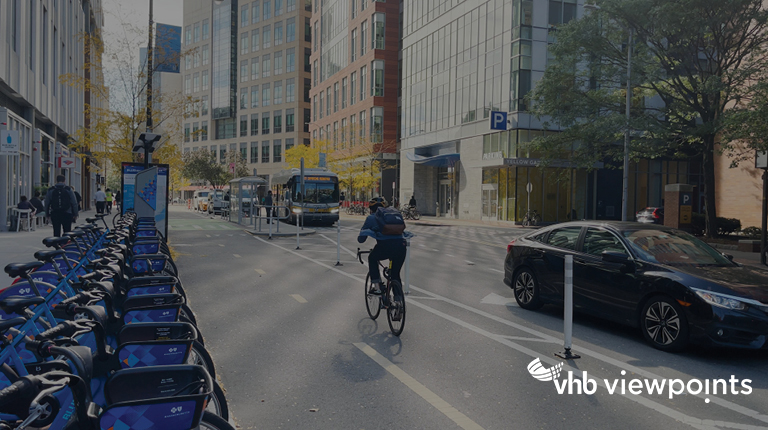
(394, 250)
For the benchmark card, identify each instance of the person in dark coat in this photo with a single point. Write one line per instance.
(63, 211)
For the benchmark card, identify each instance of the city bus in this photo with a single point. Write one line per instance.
(321, 199)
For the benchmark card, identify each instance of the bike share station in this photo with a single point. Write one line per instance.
(144, 186)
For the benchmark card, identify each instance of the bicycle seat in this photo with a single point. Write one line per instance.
(55, 241)
(18, 269)
(48, 255)
(16, 304)
(13, 322)
(76, 233)
(91, 220)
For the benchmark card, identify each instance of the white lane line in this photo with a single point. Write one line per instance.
(528, 339)
(342, 246)
(497, 271)
(435, 249)
(221, 245)
(299, 298)
(197, 227)
(260, 272)
(237, 255)
(207, 235)
(449, 255)
(694, 422)
(471, 263)
(417, 387)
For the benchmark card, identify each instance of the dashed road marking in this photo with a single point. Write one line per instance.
(237, 255)
(197, 227)
(207, 235)
(497, 271)
(471, 263)
(221, 245)
(260, 272)
(299, 298)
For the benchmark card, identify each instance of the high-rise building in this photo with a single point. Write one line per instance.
(40, 42)
(246, 62)
(355, 84)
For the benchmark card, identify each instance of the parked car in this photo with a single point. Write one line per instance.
(674, 287)
(650, 215)
(215, 201)
(200, 200)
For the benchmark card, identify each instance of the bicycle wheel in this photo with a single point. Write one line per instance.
(372, 301)
(395, 311)
(536, 220)
(212, 422)
(198, 355)
(416, 215)
(187, 312)
(184, 318)
(526, 222)
(218, 403)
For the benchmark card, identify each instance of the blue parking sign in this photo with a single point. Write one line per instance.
(498, 120)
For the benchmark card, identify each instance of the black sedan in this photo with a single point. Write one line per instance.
(674, 287)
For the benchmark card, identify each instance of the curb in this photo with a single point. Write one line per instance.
(306, 232)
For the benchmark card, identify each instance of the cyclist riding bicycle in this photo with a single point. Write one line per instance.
(388, 247)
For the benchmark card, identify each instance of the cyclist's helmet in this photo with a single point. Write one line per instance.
(376, 203)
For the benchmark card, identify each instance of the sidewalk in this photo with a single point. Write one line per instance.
(442, 221)
(20, 247)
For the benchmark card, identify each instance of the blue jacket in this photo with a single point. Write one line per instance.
(370, 227)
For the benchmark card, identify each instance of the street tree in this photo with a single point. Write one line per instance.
(203, 165)
(695, 65)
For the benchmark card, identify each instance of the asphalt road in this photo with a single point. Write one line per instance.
(294, 347)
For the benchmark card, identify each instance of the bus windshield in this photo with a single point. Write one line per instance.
(318, 193)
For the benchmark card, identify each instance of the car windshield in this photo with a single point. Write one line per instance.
(673, 247)
(219, 194)
(205, 194)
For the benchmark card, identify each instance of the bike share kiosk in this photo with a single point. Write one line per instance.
(144, 186)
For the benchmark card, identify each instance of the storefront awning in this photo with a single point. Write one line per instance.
(443, 160)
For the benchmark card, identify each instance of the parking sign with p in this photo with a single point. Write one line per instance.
(498, 120)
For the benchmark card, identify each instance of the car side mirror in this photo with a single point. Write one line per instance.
(616, 257)
(728, 256)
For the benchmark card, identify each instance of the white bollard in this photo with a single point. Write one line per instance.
(269, 221)
(406, 279)
(568, 308)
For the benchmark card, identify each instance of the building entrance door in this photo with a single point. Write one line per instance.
(490, 202)
(444, 199)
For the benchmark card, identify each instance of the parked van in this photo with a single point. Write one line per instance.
(200, 200)
(216, 201)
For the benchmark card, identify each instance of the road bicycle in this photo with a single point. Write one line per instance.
(356, 209)
(386, 299)
(531, 218)
(410, 212)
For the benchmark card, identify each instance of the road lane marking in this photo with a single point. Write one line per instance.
(417, 387)
(497, 271)
(221, 245)
(529, 339)
(299, 298)
(237, 255)
(465, 239)
(342, 246)
(207, 235)
(664, 410)
(197, 227)
(471, 263)
(260, 272)
(449, 255)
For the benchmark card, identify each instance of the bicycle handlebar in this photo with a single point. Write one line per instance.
(359, 253)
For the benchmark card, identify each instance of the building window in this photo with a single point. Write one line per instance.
(362, 126)
(278, 92)
(204, 108)
(254, 68)
(244, 151)
(255, 12)
(354, 9)
(290, 90)
(204, 131)
(205, 55)
(254, 125)
(244, 98)
(291, 6)
(289, 121)
(362, 83)
(343, 93)
(186, 132)
(307, 88)
(267, 9)
(187, 33)
(254, 152)
(343, 133)
(307, 31)
(363, 32)
(288, 144)
(377, 78)
(290, 60)
(187, 84)
(353, 43)
(322, 97)
(244, 16)
(244, 47)
(266, 36)
(278, 63)
(244, 125)
(377, 124)
(255, 40)
(278, 7)
(266, 66)
(244, 71)
(278, 33)
(266, 95)
(188, 62)
(196, 82)
(197, 32)
(205, 80)
(314, 72)
(362, 4)
(352, 81)
(222, 153)
(335, 135)
(206, 32)
(265, 123)
(316, 38)
(290, 30)
(335, 97)
(255, 96)
(277, 122)
(196, 57)
(277, 152)
(265, 151)
(377, 33)
(352, 126)
(195, 131)
(306, 121)
(314, 108)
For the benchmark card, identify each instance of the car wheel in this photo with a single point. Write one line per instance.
(664, 324)
(526, 289)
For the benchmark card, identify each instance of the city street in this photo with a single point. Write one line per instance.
(294, 347)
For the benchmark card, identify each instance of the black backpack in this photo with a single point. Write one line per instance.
(391, 222)
(59, 201)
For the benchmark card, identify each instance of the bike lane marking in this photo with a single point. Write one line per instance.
(417, 387)
(299, 298)
(649, 403)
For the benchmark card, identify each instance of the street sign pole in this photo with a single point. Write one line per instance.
(568, 317)
(529, 188)
(763, 233)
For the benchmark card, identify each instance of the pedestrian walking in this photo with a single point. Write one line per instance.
(109, 201)
(268, 204)
(61, 206)
(117, 200)
(101, 201)
(78, 197)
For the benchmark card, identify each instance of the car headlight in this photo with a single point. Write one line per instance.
(720, 300)
(297, 211)
(335, 211)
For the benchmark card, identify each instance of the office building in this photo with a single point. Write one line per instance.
(247, 63)
(355, 85)
(40, 41)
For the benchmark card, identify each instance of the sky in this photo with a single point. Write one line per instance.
(136, 14)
